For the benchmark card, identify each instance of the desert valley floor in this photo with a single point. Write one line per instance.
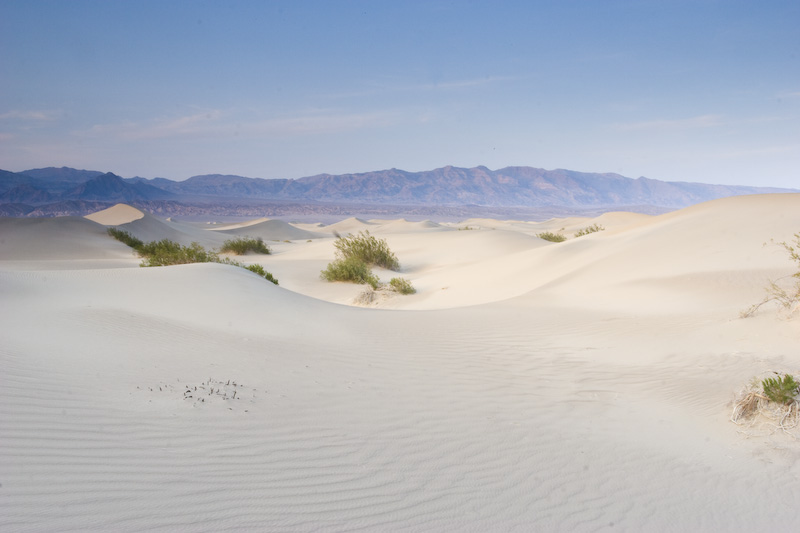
(528, 385)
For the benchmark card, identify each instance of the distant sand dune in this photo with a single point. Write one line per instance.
(116, 215)
(349, 225)
(150, 228)
(268, 230)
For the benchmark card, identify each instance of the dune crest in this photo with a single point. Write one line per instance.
(116, 215)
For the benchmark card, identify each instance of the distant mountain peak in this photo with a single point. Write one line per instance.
(109, 187)
(449, 186)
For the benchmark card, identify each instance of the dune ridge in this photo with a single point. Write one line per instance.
(575, 386)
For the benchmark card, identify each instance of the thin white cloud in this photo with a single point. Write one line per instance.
(31, 115)
(702, 121)
(185, 126)
(217, 123)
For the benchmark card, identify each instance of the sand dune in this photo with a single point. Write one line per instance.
(349, 225)
(528, 385)
(151, 228)
(269, 230)
(239, 225)
(116, 215)
(66, 242)
(405, 226)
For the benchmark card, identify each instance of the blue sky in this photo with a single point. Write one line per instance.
(696, 90)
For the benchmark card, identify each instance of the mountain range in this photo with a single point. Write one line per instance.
(48, 191)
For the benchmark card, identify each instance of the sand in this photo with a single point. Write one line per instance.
(528, 385)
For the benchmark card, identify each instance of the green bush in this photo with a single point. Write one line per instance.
(366, 248)
(258, 269)
(125, 238)
(402, 285)
(167, 252)
(594, 228)
(779, 390)
(241, 246)
(350, 269)
(552, 237)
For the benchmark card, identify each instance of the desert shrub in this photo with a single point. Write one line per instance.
(367, 249)
(779, 390)
(552, 237)
(166, 252)
(258, 269)
(594, 228)
(788, 298)
(350, 269)
(125, 238)
(241, 246)
(402, 285)
(763, 407)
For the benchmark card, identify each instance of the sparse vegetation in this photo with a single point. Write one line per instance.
(402, 285)
(241, 246)
(594, 228)
(779, 390)
(552, 237)
(350, 269)
(125, 238)
(167, 252)
(767, 406)
(778, 291)
(368, 249)
(258, 269)
(355, 254)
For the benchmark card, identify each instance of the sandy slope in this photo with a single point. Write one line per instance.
(55, 243)
(269, 230)
(578, 386)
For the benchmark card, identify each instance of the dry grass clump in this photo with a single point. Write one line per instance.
(241, 246)
(552, 237)
(780, 291)
(594, 228)
(350, 269)
(355, 254)
(366, 248)
(774, 407)
(167, 252)
(258, 269)
(125, 238)
(402, 285)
